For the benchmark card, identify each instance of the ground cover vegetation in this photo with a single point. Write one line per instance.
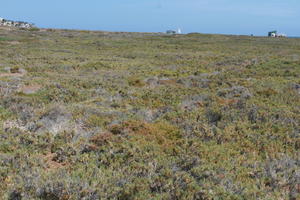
(100, 115)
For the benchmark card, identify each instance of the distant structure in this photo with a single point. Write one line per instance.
(172, 32)
(19, 24)
(281, 35)
(274, 34)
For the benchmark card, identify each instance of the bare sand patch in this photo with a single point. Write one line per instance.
(30, 89)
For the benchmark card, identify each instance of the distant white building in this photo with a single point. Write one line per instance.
(173, 32)
(275, 34)
(281, 35)
(170, 32)
(10, 23)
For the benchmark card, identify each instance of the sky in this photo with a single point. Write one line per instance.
(238, 17)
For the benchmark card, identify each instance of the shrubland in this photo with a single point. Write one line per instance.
(100, 115)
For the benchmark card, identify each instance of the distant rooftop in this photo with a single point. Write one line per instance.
(11, 23)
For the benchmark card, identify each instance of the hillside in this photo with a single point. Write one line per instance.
(100, 115)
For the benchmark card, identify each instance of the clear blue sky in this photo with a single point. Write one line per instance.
(205, 16)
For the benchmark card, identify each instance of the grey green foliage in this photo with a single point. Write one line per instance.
(98, 115)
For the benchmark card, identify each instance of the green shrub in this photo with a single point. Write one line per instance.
(34, 29)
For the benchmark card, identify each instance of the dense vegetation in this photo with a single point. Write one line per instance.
(98, 115)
